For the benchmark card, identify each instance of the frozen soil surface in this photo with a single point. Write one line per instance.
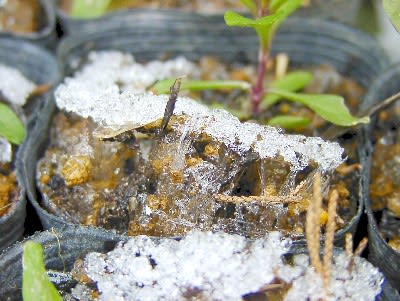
(219, 266)
(109, 165)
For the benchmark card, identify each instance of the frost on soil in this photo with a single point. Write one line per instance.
(109, 91)
(207, 171)
(5, 151)
(219, 266)
(14, 86)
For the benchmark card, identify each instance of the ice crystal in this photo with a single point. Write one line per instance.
(14, 86)
(5, 151)
(96, 92)
(219, 266)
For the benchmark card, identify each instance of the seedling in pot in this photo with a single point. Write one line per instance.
(35, 283)
(268, 16)
(11, 127)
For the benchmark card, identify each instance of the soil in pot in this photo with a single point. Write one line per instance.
(20, 16)
(194, 175)
(385, 175)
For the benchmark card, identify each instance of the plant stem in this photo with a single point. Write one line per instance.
(257, 91)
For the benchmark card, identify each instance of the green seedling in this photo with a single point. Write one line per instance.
(329, 107)
(267, 16)
(392, 8)
(35, 284)
(11, 127)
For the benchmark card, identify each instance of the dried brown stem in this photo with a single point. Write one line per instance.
(313, 225)
(329, 238)
(361, 247)
(263, 199)
(349, 244)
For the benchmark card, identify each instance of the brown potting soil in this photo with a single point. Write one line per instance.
(20, 16)
(385, 176)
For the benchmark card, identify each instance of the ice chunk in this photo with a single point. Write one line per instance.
(361, 282)
(117, 111)
(115, 69)
(14, 86)
(5, 151)
(219, 266)
(166, 269)
(107, 90)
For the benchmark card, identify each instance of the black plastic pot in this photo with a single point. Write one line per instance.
(340, 10)
(46, 35)
(38, 65)
(380, 253)
(62, 248)
(154, 34)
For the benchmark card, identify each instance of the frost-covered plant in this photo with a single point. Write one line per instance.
(268, 15)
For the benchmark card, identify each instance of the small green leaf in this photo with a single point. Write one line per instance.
(261, 25)
(239, 114)
(251, 6)
(264, 26)
(11, 128)
(275, 4)
(291, 82)
(329, 107)
(392, 8)
(89, 8)
(289, 122)
(285, 7)
(163, 86)
(35, 283)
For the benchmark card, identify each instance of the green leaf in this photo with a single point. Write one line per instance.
(35, 284)
(285, 6)
(261, 25)
(11, 128)
(163, 86)
(392, 8)
(89, 8)
(264, 26)
(329, 107)
(289, 122)
(251, 6)
(239, 114)
(291, 82)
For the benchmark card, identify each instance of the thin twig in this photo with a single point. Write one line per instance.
(313, 225)
(169, 108)
(264, 199)
(361, 247)
(329, 237)
(349, 244)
